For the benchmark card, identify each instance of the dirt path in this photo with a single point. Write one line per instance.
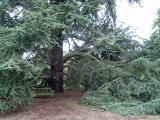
(62, 107)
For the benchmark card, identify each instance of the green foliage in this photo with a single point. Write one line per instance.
(15, 89)
(132, 88)
(153, 44)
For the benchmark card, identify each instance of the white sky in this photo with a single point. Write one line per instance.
(140, 18)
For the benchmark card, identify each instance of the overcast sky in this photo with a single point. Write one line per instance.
(140, 18)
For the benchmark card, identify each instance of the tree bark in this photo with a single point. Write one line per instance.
(57, 66)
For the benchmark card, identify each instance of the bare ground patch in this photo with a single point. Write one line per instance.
(63, 107)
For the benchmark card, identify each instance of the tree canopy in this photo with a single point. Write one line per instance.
(31, 37)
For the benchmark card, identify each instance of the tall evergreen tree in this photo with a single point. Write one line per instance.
(32, 30)
(46, 24)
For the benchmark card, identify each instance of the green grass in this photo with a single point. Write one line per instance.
(152, 118)
(42, 92)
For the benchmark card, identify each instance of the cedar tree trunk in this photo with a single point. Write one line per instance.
(57, 66)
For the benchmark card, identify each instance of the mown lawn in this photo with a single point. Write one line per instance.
(153, 118)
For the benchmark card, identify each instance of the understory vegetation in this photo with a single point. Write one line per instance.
(131, 89)
(127, 86)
